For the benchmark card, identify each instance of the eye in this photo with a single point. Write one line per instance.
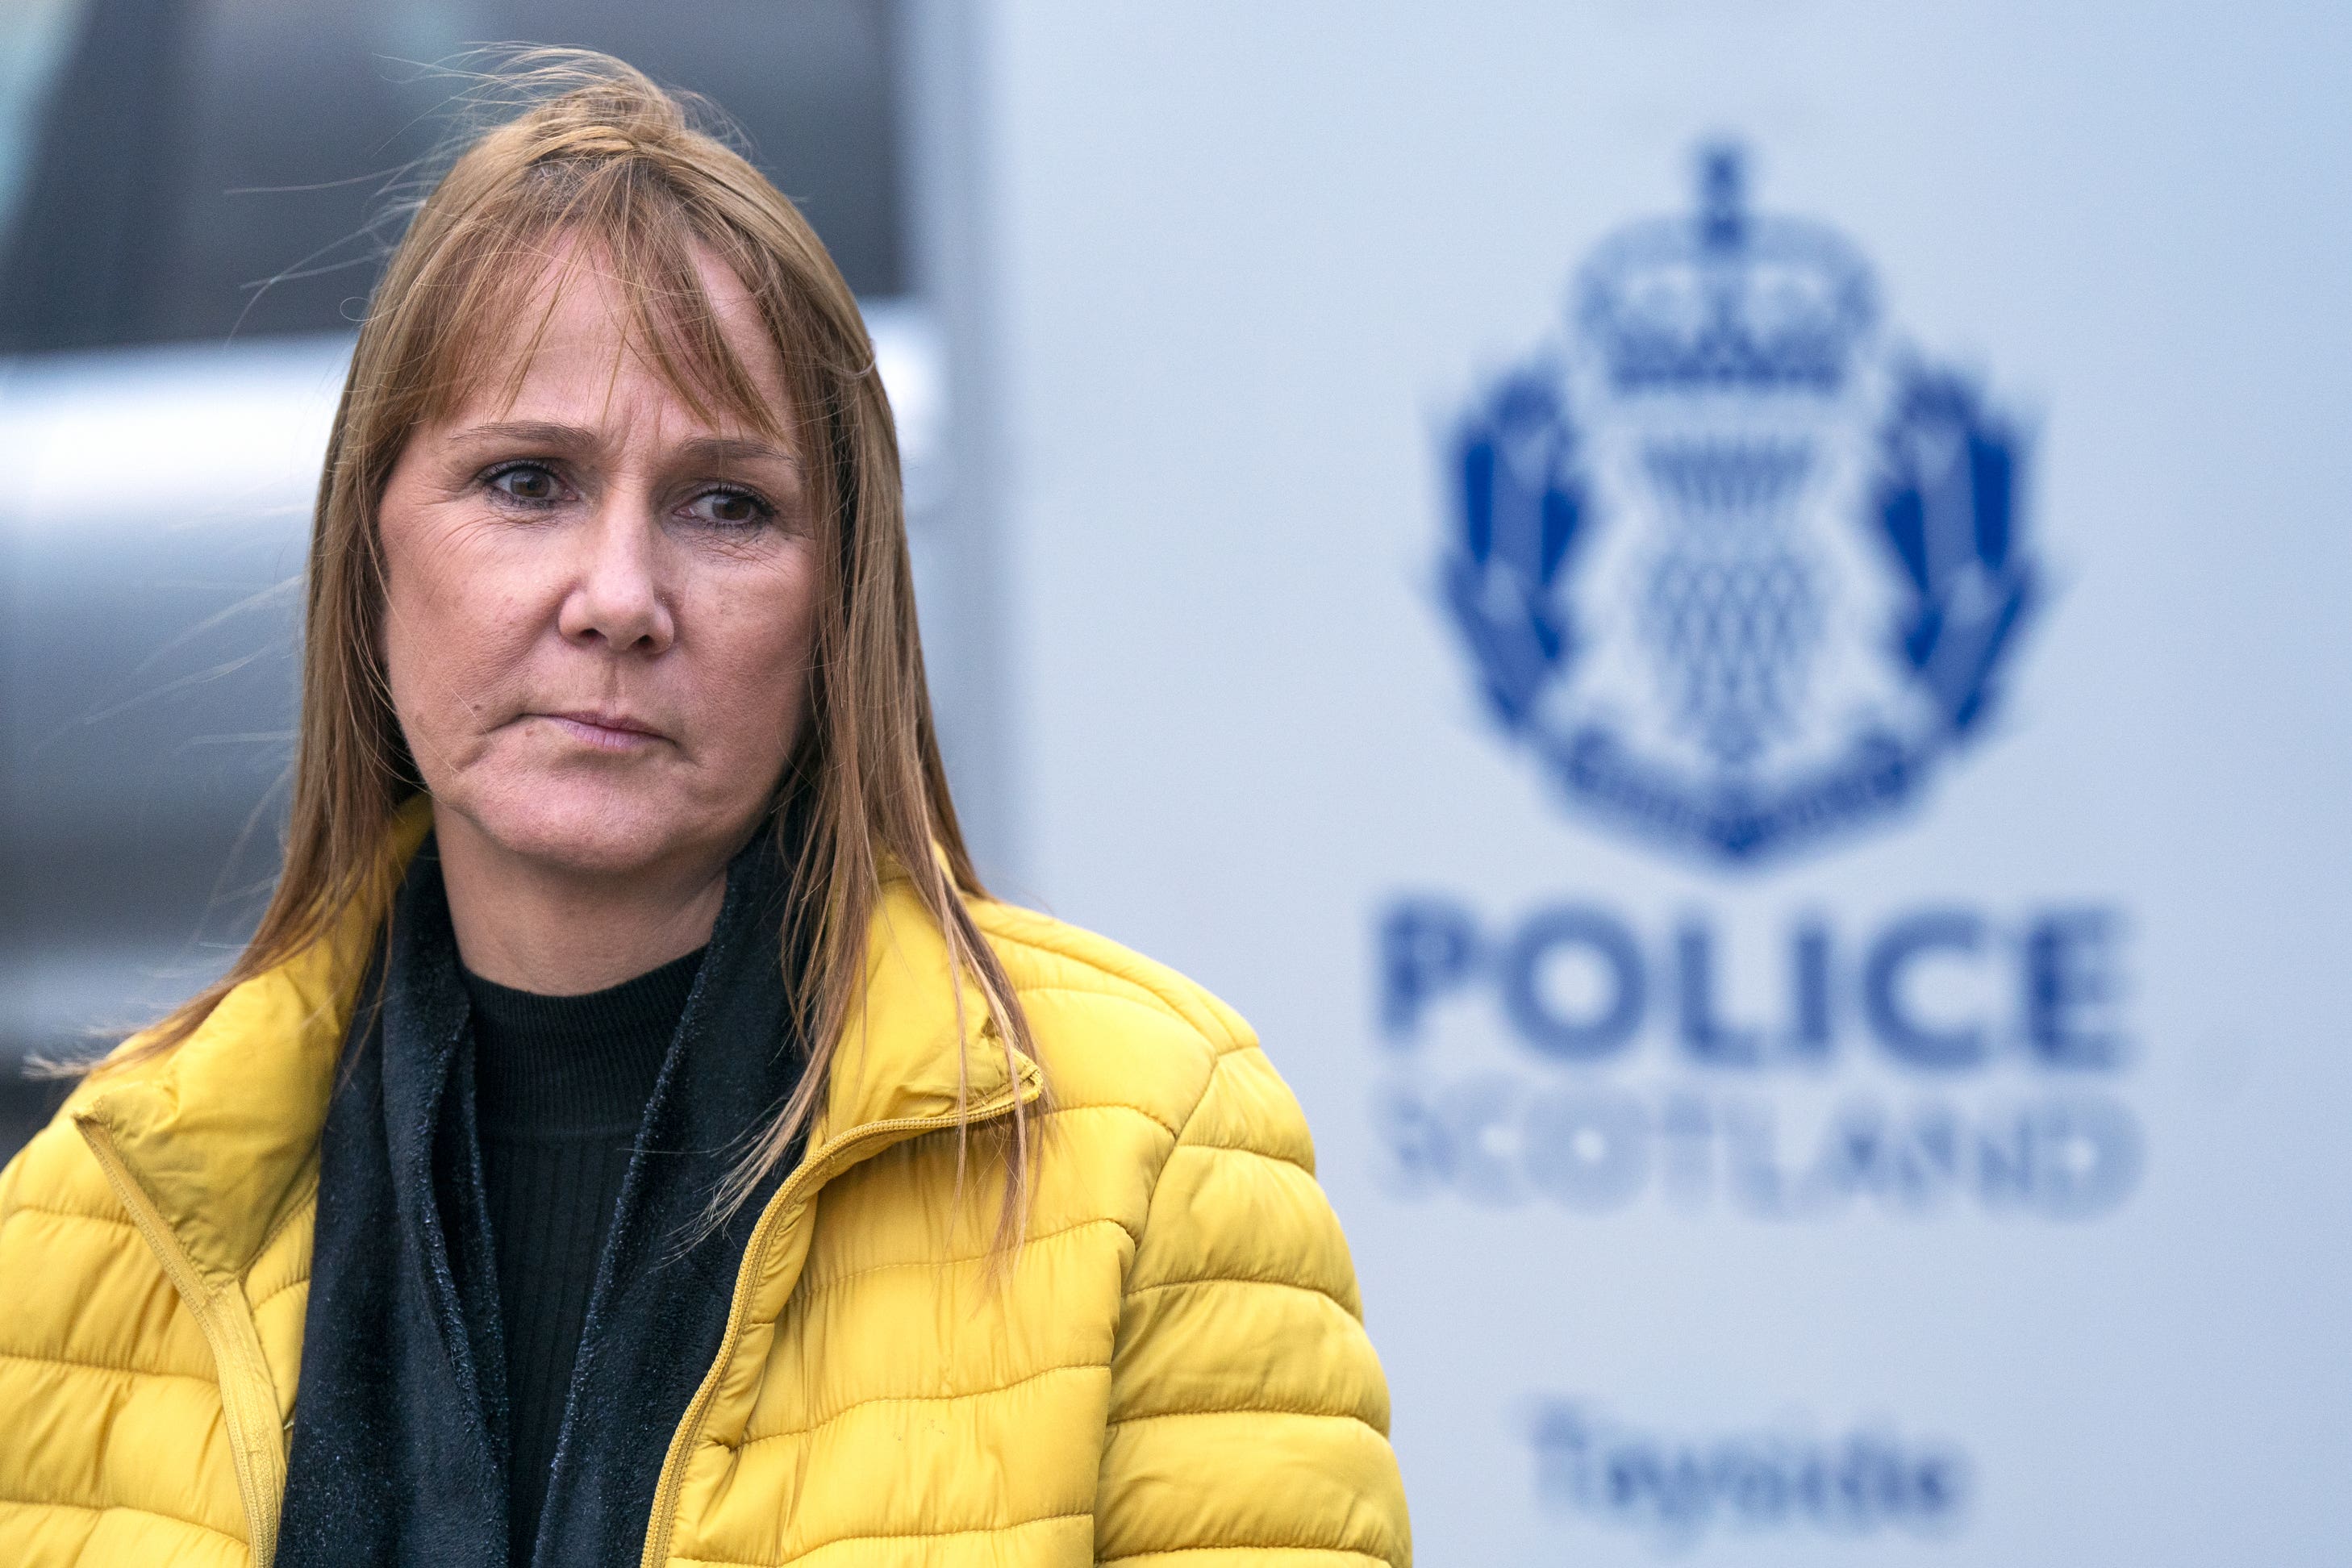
(724, 506)
(532, 483)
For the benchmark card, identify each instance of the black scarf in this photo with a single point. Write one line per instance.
(399, 1447)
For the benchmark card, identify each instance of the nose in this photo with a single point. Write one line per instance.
(617, 599)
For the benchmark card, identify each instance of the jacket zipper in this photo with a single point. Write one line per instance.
(664, 1521)
(248, 1395)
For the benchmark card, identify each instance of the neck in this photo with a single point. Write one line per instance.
(523, 923)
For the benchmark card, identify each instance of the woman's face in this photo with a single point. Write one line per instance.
(598, 606)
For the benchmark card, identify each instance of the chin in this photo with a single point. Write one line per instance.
(590, 828)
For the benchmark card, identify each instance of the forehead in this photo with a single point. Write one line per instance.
(571, 328)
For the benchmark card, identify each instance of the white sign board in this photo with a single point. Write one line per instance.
(1727, 626)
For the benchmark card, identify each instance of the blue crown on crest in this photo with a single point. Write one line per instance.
(1724, 298)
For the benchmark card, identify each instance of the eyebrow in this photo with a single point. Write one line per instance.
(574, 438)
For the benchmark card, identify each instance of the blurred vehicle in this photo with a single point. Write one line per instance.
(187, 196)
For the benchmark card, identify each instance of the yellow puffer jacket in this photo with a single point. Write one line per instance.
(1173, 1374)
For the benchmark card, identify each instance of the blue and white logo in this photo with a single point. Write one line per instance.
(1736, 567)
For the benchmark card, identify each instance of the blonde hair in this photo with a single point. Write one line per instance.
(599, 162)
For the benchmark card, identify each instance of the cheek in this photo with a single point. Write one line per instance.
(453, 625)
(762, 633)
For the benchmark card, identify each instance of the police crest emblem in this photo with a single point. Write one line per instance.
(1737, 569)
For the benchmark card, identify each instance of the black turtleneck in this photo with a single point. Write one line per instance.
(561, 1085)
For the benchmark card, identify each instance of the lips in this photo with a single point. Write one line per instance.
(606, 732)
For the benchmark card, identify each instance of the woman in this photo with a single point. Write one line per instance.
(633, 1134)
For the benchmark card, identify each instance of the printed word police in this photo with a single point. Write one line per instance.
(1943, 989)
(1938, 1055)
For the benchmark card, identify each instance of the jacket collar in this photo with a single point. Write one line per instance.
(899, 1056)
(221, 1133)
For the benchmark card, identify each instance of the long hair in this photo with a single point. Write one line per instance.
(596, 165)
